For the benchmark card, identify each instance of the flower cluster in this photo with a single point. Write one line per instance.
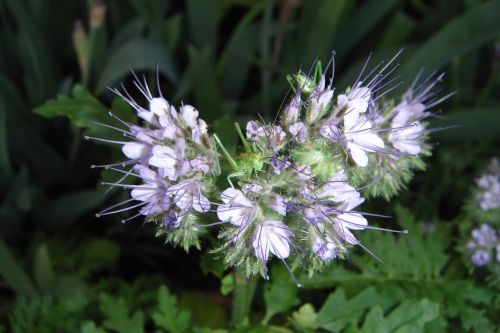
(488, 196)
(295, 191)
(483, 240)
(174, 158)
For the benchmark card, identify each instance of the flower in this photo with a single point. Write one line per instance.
(349, 220)
(482, 242)
(359, 139)
(170, 161)
(488, 196)
(153, 191)
(274, 236)
(237, 209)
(324, 247)
(406, 131)
(187, 194)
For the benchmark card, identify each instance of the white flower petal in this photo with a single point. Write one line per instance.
(358, 155)
(135, 150)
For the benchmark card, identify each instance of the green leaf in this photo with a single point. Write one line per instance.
(227, 284)
(117, 315)
(474, 124)
(410, 316)
(337, 312)
(98, 254)
(42, 268)
(464, 34)
(81, 108)
(4, 153)
(139, 55)
(70, 206)
(280, 294)
(168, 316)
(362, 23)
(305, 318)
(12, 272)
(209, 263)
(320, 21)
(90, 327)
(202, 19)
(201, 77)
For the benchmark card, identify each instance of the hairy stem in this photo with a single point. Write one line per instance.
(244, 291)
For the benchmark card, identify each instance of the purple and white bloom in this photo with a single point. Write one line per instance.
(359, 138)
(324, 247)
(349, 220)
(298, 132)
(357, 99)
(292, 112)
(318, 105)
(484, 240)
(488, 196)
(274, 236)
(251, 188)
(141, 148)
(497, 248)
(237, 209)
(153, 191)
(337, 189)
(159, 106)
(484, 236)
(278, 204)
(200, 163)
(480, 257)
(187, 194)
(272, 135)
(170, 162)
(406, 131)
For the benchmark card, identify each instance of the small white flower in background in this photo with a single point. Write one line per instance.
(272, 236)
(488, 196)
(484, 239)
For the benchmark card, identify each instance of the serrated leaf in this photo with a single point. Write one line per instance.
(337, 312)
(168, 316)
(280, 294)
(90, 327)
(117, 316)
(410, 316)
(305, 317)
(81, 108)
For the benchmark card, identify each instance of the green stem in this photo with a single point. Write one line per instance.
(244, 291)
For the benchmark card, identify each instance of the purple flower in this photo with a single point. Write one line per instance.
(170, 161)
(153, 191)
(237, 209)
(187, 194)
(324, 247)
(274, 236)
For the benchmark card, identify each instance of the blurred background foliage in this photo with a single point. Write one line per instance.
(63, 270)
